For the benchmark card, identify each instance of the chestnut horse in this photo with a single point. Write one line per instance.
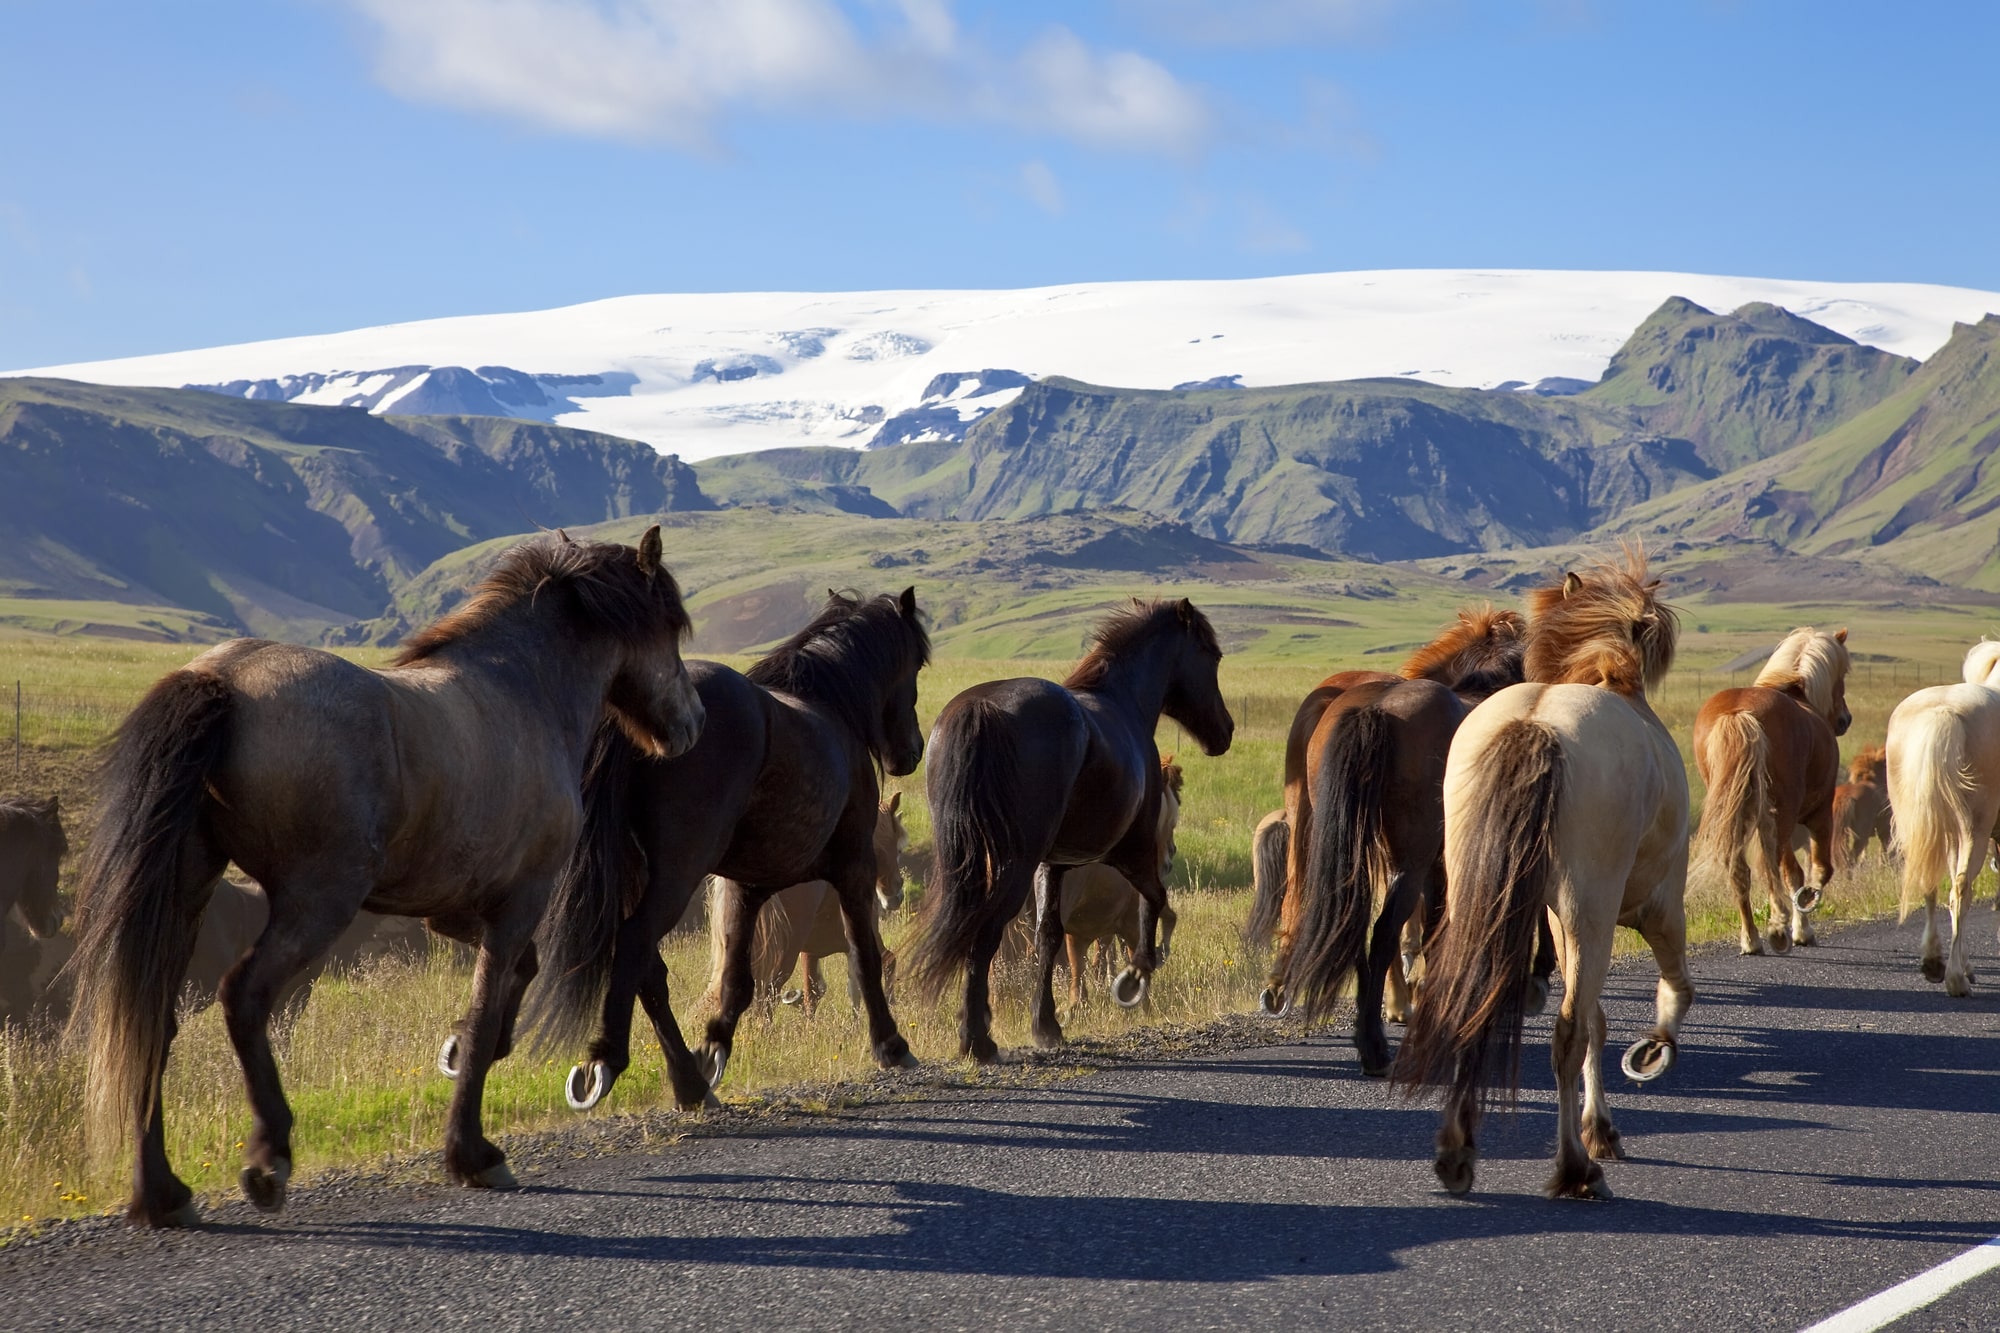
(1861, 810)
(1026, 773)
(1565, 799)
(783, 787)
(1270, 850)
(443, 787)
(1770, 757)
(1364, 802)
(802, 924)
(1944, 784)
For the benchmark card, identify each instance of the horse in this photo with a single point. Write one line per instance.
(1565, 799)
(444, 786)
(1270, 847)
(1861, 810)
(1029, 778)
(1770, 756)
(803, 922)
(1944, 785)
(1364, 801)
(1100, 905)
(32, 848)
(783, 787)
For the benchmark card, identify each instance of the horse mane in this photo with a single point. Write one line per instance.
(842, 658)
(1870, 766)
(1981, 661)
(39, 809)
(1130, 627)
(1811, 661)
(1480, 650)
(604, 592)
(1172, 775)
(1605, 626)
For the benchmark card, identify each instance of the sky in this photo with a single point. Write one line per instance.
(213, 171)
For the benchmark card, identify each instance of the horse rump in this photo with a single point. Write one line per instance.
(143, 884)
(1499, 868)
(1930, 789)
(1736, 762)
(1347, 861)
(974, 776)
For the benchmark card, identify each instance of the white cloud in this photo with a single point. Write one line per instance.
(1262, 22)
(1039, 183)
(672, 70)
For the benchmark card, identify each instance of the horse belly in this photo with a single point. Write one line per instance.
(1098, 901)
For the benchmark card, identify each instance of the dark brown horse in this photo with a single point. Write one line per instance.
(32, 846)
(1026, 773)
(444, 787)
(1367, 817)
(1770, 758)
(782, 788)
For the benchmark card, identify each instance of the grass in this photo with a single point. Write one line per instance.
(358, 1059)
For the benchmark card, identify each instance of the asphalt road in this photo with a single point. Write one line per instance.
(1832, 1128)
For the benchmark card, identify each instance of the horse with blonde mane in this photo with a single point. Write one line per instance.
(1944, 785)
(1862, 812)
(1364, 805)
(1770, 757)
(1564, 797)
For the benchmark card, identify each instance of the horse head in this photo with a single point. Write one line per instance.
(859, 659)
(40, 902)
(1194, 688)
(1605, 626)
(651, 697)
(1172, 780)
(903, 734)
(1479, 654)
(1870, 767)
(1811, 666)
(1982, 664)
(891, 841)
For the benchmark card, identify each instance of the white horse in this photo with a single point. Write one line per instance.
(1944, 785)
(1564, 794)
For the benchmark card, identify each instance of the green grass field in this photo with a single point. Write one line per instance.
(358, 1060)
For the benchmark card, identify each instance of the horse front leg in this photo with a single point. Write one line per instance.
(1807, 897)
(1139, 862)
(684, 1076)
(739, 986)
(634, 950)
(856, 887)
(1074, 952)
(470, 1158)
(1371, 1038)
(1049, 937)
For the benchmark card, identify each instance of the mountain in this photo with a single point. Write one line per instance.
(271, 518)
(1387, 469)
(1908, 483)
(702, 375)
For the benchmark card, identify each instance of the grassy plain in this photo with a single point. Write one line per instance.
(358, 1059)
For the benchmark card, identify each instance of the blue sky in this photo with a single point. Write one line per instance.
(210, 171)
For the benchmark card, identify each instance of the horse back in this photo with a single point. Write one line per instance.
(1805, 754)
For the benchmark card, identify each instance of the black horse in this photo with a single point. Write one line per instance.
(782, 787)
(1027, 773)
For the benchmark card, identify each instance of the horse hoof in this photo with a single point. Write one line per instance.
(711, 1102)
(1273, 1003)
(1048, 1040)
(1932, 968)
(1806, 897)
(1535, 997)
(448, 1057)
(1779, 940)
(1590, 1185)
(498, 1176)
(1647, 1059)
(586, 1086)
(908, 1061)
(1958, 987)
(713, 1062)
(264, 1187)
(1455, 1168)
(187, 1215)
(1129, 989)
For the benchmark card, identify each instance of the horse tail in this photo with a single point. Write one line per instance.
(772, 923)
(974, 768)
(1500, 870)
(1736, 758)
(1349, 862)
(601, 880)
(1930, 787)
(144, 881)
(1270, 846)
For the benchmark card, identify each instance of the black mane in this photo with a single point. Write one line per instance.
(601, 587)
(842, 659)
(1132, 626)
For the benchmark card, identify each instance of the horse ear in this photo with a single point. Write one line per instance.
(1840, 635)
(1571, 584)
(1166, 762)
(649, 551)
(562, 535)
(1185, 610)
(895, 801)
(908, 602)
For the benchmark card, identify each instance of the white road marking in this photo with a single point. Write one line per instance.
(1886, 1307)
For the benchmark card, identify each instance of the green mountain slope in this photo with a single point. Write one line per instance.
(1909, 483)
(273, 518)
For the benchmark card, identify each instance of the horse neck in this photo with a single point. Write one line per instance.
(1139, 680)
(562, 680)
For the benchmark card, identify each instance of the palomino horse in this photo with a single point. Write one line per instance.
(32, 846)
(1366, 810)
(1770, 757)
(1944, 784)
(802, 924)
(1100, 905)
(1564, 798)
(1026, 773)
(443, 787)
(782, 788)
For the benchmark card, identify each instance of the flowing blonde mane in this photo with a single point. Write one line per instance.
(1812, 661)
(1605, 626)
(1982, 663)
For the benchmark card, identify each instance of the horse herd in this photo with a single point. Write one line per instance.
(540, 776)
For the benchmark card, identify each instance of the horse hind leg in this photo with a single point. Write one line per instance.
(1749, 941)
(1049, 937)
(684, 1076)
(1958, 973)
(1371, 1040)
(1600, 1137)
(1585, 963)
(1930, 954)
(300, 928)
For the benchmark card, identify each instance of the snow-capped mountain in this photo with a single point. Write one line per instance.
(708, 374)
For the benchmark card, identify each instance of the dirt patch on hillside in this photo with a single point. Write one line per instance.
(746, 619)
